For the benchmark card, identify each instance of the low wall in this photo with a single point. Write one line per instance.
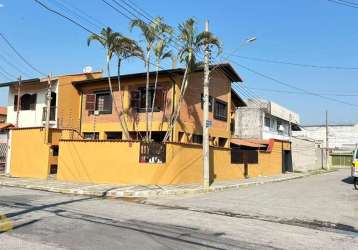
(117, 162)
(29, 153)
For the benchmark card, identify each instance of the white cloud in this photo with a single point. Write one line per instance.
(1, 5)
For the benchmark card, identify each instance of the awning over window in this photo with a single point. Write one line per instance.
(247, 143)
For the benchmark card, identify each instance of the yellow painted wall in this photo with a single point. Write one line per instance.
(270, 163)
(29, 153)
(69, 99)
(104, 162)
(118, 163)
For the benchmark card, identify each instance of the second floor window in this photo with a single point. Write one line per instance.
(27, 102)
(220, 110)
(138, 99)
(103, 102)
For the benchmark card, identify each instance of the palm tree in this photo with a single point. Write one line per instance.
(192, 44)
(160, 53)
(150, 36)
(125, 48)
(107, 39)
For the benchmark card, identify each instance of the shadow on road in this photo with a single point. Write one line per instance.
(348, 180)
(194, 237)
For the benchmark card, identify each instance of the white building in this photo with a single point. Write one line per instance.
(264, 120)
(33, 101)
(340, 136)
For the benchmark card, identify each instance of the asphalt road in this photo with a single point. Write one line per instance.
(318, 212)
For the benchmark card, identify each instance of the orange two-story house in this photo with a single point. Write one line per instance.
(103, 122)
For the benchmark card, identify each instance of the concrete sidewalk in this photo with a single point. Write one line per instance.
(118, 191)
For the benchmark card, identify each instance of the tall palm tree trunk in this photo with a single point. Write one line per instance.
(112, 95)
(154, 97)
(147, 97)
(125, 124)
(176, 112)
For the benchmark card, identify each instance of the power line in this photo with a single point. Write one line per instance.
(65, 17)
(345, 3)
(19, 55)
(299, 93)
(292, 86)
(6, 73)
(13, 65)
(295, 64)
(75, 12)
(95, 20)
(78, 24)
(141, 9)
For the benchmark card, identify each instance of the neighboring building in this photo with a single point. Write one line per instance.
(33, 101)
(306, 154)
(103, 123)
(264, 120)
(3, 112)
(340, 136)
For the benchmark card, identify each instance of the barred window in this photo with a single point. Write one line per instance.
(104, 102)
(220, 110)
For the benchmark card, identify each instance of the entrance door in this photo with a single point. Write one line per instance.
(3, 154)
(286, 161)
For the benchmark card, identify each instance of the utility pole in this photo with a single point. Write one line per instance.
(48, 107)
(18, 101)
(327, 144)
(206, 122)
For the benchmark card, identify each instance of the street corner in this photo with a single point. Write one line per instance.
(5, 224)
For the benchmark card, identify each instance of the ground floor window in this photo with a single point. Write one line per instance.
(91, 135)
(197, 139)
(114, 135)
(244, 156)
(222, 142)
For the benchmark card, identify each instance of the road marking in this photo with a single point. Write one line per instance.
(5, 224)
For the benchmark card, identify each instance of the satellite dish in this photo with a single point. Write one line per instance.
(87, 70)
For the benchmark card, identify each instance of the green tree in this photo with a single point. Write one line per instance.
(107, 39)
(192, 43)
(149, 32)
(164, 33)
(125, 48)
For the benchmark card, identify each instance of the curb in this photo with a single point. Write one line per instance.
(155, 193)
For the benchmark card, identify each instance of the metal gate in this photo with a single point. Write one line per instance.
(3, 154)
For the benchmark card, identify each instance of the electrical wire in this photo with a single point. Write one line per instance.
(345, 3)
(19, 55)
(295, 64)
(292, 86)
(76, 12)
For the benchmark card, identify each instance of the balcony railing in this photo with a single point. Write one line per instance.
(52, 114)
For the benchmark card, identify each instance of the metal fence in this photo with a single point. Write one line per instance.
(341, 159)
(3, 153)
(154, 152)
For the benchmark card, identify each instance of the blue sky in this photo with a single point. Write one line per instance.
(301, 31)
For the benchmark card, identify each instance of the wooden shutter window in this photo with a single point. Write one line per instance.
(90, 102)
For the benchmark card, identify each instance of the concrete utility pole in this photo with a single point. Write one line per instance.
(18, 101)
(206, 122)
(327, 144)
(48, 107)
